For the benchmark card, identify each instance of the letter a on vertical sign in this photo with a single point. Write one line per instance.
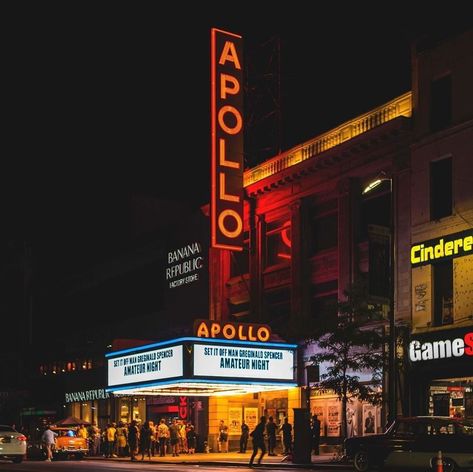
(227, 140)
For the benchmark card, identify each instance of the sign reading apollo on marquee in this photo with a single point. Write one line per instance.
(155, 364)
(227, 140)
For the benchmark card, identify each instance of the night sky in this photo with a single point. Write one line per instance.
(112, 100)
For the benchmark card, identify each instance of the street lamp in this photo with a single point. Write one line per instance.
(392, 347)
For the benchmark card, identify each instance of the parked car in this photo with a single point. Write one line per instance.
(414, 443)
(12, 444)
(68, 444)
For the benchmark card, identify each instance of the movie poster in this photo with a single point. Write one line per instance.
(334, 410)
(251, 418)
(234, 420)
(319, 410)
(369, 419)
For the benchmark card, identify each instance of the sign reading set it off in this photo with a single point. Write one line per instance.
(227, 140)
(155, 364)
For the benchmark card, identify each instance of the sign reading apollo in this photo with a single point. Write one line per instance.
(227, 140)
(232, 331)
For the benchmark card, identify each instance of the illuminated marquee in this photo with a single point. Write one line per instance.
(446, 247)
(233, 331)
(243, 362)
(227, 140)
(146, 366)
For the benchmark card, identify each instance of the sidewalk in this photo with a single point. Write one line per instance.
(324, 460)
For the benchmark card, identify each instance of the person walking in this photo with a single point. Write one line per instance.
(245, 432)
(258, 440)
(287, 436)
(49, 440)
(315, 434)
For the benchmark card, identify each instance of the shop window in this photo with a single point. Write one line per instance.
(324, 233)
(240, 260)
(441, 103)
(278, 242)
(443, 293)
(440, 189)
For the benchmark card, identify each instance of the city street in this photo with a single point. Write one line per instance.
(123, 466)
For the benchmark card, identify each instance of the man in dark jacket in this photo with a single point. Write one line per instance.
(258, 440)
(271, 429)
(244, 437)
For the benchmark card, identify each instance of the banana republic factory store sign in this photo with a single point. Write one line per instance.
(222, 359)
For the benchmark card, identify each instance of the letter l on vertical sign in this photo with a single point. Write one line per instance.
(227, 140)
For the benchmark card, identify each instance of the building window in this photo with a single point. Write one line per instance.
(440, 188)
(443, 293)
(441, 103)
(278, 307)
(239, 260)
(278, 242)
(324, 233)
(324, 304)
(375, 209)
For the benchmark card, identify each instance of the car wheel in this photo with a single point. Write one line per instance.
(17, 460)
(361, 461)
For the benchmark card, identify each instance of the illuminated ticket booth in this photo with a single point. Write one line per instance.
(240, 371)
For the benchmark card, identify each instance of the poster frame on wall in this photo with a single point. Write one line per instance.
(234, 420)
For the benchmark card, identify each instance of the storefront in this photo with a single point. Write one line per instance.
(440, 351)
(442, 373)
(228, 371)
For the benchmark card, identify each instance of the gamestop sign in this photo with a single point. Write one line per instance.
(449, 347)
(227, 140)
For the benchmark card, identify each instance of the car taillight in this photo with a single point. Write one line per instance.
(21, 438)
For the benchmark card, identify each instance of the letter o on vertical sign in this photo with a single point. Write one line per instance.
(227, 140)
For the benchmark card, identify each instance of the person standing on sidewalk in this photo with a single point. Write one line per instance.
(258, 440)
(271, 429)
(315, 435)
(133, 437)
(287, 436)
(245, 431)
(163, 436)
(223, 437)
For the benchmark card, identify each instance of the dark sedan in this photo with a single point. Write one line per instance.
(414, 443)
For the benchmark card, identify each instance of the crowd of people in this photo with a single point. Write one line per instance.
(148, 440)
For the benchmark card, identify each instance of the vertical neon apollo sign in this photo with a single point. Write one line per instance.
(227, 140)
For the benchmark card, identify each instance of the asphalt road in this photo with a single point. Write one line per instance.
(115, 466)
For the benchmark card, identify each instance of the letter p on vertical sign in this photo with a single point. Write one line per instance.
(227, 140)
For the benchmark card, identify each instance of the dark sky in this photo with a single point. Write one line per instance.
(113, 99)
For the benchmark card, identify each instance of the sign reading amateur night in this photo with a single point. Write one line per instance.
(234, 361)
(155, 364)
